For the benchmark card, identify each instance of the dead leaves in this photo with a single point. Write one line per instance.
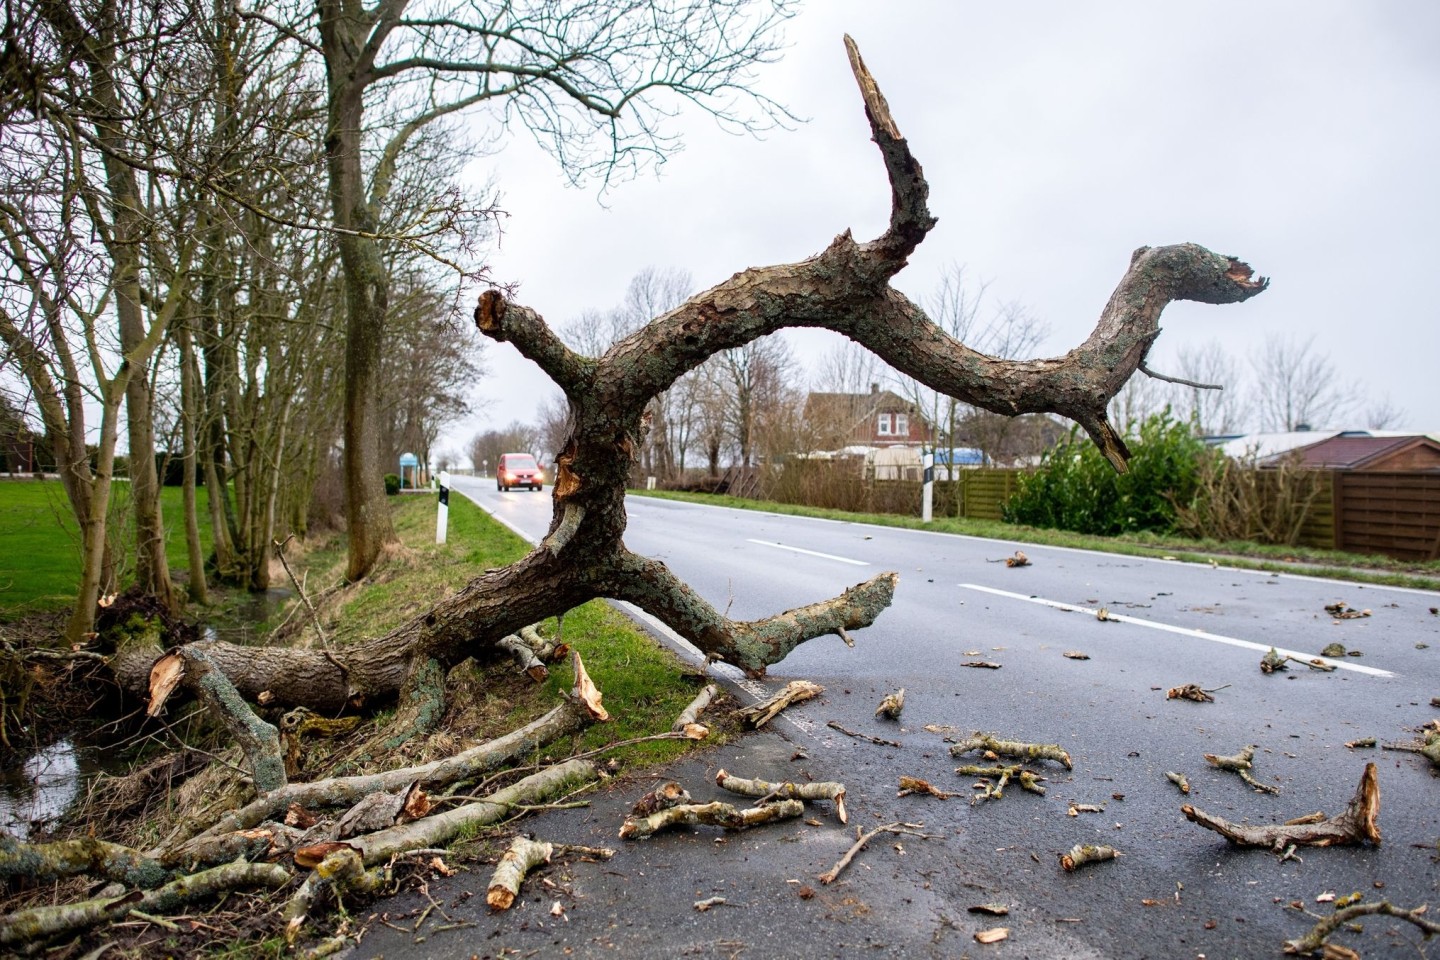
(1189, 691)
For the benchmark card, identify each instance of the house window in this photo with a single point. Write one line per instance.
(902, 425)
(883, 427)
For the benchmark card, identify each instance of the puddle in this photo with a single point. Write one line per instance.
(43, 787)
(243, 621)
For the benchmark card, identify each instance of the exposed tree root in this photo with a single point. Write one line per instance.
(715, 814)
(796, 691)
(1012, 748)
(24, 926)
(1315, 940)
(913, 829)
(1240, 764)
(1356, 824)
(996, 779)
(766, 791)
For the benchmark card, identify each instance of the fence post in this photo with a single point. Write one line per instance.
(927, 496)
(443, 518)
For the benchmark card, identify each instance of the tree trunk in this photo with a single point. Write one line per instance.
(189, 419)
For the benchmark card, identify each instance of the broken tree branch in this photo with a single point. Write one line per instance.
(1085, 853)
(716, 814)
(525, 656)
(1027, 779)
(909, 785)
(1241, 765)
(522, 856)
(891, 706)
(691, 713)
(1356, 824)
(1315, 940)
(1012, 748)
(878, 741)
(913, 829)
(796, 691)
(834, 792)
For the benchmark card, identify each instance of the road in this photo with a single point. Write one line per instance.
(1171, 624)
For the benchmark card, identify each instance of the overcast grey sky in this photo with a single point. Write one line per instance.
(1303, 137)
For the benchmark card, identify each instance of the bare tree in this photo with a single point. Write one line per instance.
(1383, 413)
(589, 81)
(486, 448)
(1297, 387)
(845, 288)
(1215, 411)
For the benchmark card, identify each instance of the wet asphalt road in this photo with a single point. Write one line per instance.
(1177, 891)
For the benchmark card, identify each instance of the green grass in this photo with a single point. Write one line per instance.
(40, 559)
(1252, 556)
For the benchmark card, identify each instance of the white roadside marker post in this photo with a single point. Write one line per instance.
(444, 518)
(927, 497)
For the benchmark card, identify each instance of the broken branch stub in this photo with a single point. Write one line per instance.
(891, 705)
(834, 792)
(1356, 824)
(1086, 853)
(796, 691)
(1241, 765)
(715, 814)
(1012, 748)
(522, 856)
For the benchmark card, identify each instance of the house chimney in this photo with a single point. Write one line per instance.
(1302, 428)
(874, 388)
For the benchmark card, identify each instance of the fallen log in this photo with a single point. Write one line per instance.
(715, 814)
(766, 791)
(1356, 824)
(37, 923)
(84, 855)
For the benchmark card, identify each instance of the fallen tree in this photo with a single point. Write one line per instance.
(845, 288)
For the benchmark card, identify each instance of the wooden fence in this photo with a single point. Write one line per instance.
(1397, 514)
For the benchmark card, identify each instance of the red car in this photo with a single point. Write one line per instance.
(518, 470)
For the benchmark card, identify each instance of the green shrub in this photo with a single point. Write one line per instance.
(1077, 489)
(392, 484)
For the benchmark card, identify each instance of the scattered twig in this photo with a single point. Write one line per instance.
(891, 705)
(796, 691)
(1012, 748)
(707, 903)
(913, 829)
(878, 741)
(1086, 853)
(1356, 824)
(1340, 611)
(314, 615)
(1179, 780)
(834, 792)
(1075, 655)
(981, 664)
(691, 713)
(1272, 662)
(1427, 746)
(1315, 940)
(1241, 764)
(909, 785)
(1193, 691)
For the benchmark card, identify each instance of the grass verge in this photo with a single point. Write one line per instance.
(1308, 561)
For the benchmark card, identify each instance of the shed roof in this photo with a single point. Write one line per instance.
(1347, 452)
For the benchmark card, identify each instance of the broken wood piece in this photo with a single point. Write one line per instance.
(1340, 611)
(993, 935)
(691, 713)
(1315, 940)
(981, 664)
(1427, 746)
(1103, 615)
(1075, 809)
(1012, 748)
(1356, 824)
(878, 741)
(796, 691)
(909, 785)
(1086, 853)
(1193, 691)
(1000, 776)
(530, 663)
(834, 792)
(892, 704)
(380, 810)
(708, 902)
(522, 856)
(661, 798)
(862, 839)
(716, 814)
(1363, 742)
(1241, 764)
(1179, 780)
(991, 909)
(1075, 655)
(585, 690)
(1272, 662)
(342, 871)
(1018, 560)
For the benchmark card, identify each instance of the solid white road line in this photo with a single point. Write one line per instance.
(808, 553)
(1182, 631)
